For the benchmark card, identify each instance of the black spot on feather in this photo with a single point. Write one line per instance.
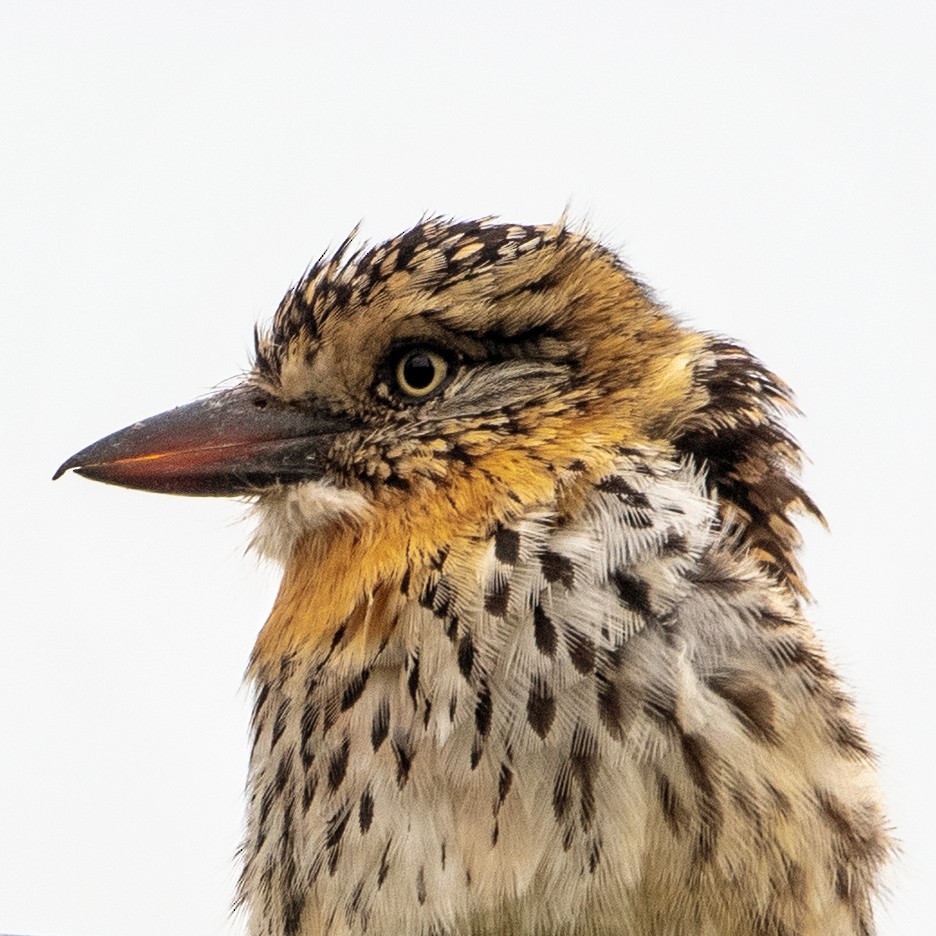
(506, 545)
(541, 706)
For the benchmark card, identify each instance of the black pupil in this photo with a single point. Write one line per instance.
(418, 371)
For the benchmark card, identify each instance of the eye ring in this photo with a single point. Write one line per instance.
(420, 371)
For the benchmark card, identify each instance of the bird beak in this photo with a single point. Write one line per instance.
(238, 441)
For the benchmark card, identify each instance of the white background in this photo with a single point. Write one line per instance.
(166, 174)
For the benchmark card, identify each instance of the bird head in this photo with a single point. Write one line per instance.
(411, 397)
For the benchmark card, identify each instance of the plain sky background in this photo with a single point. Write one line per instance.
(168, 170)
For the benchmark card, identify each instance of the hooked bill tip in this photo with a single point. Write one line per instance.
(76, 463)
(62, 469)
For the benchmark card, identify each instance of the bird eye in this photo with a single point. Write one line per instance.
(420, 372)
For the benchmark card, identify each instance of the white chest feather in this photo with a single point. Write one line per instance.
(616, 725)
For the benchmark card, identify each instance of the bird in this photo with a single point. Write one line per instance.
(539, 663)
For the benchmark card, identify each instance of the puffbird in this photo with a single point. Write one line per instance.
(539, 662)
